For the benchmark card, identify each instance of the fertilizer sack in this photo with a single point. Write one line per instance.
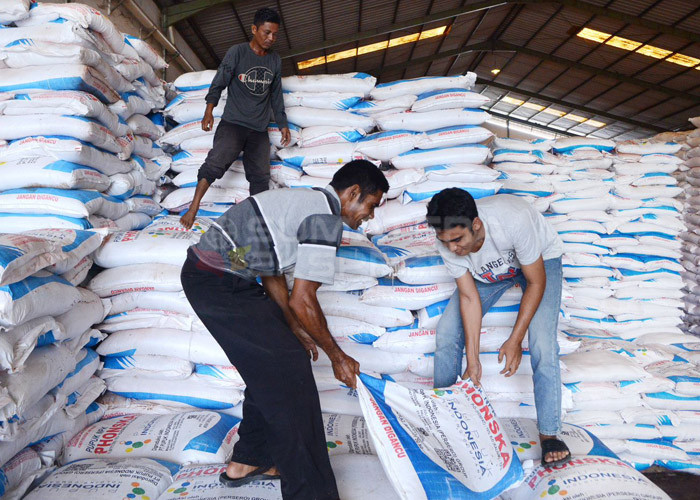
(417, 86)
(202, 437)
(82, 480)
(465, 452)
(201, 482)
(587, 478)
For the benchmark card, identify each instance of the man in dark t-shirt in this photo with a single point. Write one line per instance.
(252, 75)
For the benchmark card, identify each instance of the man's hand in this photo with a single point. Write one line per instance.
(208, 122)
(307, 342)
(286, 137)
(345, 369)
(187, 220)
(512, 350)
(473, 372)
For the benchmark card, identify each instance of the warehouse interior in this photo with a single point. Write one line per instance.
(628, 65)
(583, 114)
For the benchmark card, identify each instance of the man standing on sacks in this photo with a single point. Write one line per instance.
(268, 334)
(252, 75)
(488, 246)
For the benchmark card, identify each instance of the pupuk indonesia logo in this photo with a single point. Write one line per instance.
(181, 490)
(552, 489)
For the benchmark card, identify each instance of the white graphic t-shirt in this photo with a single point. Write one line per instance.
(516, 235)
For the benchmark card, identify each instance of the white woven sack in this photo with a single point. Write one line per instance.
(70, 150)
(322, 100)
(45, 171)
(201, 482)
(453, 136)
(418, 86)
(349, 306)
(146, 52)
(17, 127)
(181, 198)
(198, 347)
(193, 444)
(386, 145)
(348, 82)
(393, 105)
(431, 120)
(116, 478)
(449, 99)
(310, 117)
(136, 278)
(64, 103)
(42, 294)
(421, 158)
(144, 247)
(188, 393)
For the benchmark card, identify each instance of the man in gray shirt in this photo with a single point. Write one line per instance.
(252, 75)
(268, 334)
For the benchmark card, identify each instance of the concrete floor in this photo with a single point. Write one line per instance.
(678, 485)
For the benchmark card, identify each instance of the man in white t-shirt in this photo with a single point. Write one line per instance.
(488, 246)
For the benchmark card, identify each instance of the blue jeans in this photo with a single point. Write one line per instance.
(542, 338)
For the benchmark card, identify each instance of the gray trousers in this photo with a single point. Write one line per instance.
(229, 141)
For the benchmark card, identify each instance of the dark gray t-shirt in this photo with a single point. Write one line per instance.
(254, 86)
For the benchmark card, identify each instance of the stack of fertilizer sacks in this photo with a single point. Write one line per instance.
(391, 288)
(617, 209)
(691, 238)
(47, 365)
(74, 96)
(427, 139)
(158, 357)
(157, 350)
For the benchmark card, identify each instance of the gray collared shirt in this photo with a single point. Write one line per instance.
(275, 231)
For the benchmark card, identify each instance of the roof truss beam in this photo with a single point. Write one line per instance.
(390, 28)
(178, 12)
(500, 45)
(626, 18)
(522, 121)
(570, 105)
(181, 11)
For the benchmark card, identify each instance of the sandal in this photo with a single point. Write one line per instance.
(554, 445)
(255, 475)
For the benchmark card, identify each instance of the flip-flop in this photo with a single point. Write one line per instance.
(257, 474)
(552, 446)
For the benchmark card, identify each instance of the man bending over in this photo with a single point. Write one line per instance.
(488, 246)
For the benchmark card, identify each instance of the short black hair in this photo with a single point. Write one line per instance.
(452, 207)
(266, 15)
(363, 173)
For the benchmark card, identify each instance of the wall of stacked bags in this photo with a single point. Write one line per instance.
(108, 161)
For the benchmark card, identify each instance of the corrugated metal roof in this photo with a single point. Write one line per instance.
(557, 64)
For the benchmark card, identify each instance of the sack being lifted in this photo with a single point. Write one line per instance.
(442, 443)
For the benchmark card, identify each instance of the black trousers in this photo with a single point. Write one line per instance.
(282, 422)
(229, 140)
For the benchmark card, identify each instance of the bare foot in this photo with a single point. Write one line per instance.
(236, 470)
(552, 456)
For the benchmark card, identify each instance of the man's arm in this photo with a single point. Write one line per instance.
(307, 310)
(221, 80)
(276, 289)
(223, 77)
(512, 348)
(277, 104)
(187, 220)
(470, 309)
